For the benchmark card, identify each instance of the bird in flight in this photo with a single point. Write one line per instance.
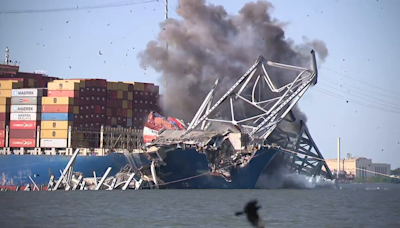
(250, 210)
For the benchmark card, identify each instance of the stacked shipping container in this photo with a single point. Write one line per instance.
(145, 99)
(92, 104)
(82, 104)
(28, 80)
(58, 112)
(25, 117)
(129, 103)
(119, 104)
(6, 88)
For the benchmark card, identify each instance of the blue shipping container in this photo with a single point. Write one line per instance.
(57, 116)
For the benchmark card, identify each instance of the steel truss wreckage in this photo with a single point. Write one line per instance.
(301, 154)
(246, 121)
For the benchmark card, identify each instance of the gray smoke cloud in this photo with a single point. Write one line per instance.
(208, 43)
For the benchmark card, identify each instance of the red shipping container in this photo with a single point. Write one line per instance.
(22, 142)
(22, 134)
(124, 113)
(97, 109)
(2, 124)
(2, 143)
(23, 125)
(57, 108)
(2, 134)
(4, 116)
(63, 93)
(114, 94)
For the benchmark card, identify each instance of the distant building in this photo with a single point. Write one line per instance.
(359, 167)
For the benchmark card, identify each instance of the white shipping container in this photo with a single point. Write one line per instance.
(26, 100)
(24, 108)
(27, 92)
(53, 143)
(24, 116)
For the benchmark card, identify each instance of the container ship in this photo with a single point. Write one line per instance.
(229, 145)
(44, 119)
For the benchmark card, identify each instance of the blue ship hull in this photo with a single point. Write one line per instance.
(185, 169)
(16, 169)
(188, 169)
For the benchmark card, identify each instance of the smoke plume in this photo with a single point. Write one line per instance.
(208, 43)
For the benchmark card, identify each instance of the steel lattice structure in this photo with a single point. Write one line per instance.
(302, 155)
(271, 111)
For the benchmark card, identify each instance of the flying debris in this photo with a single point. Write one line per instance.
(250, 210)
(69, 67)
(67, 22)
(100, 53)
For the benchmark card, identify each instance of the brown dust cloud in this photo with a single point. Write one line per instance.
(207, 43)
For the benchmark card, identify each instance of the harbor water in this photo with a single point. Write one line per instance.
(354, 205)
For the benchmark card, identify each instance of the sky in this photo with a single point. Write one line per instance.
(356, 97)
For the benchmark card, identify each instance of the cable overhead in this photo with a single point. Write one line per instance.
(382, 103)
(365, 83)
(91, 7)
(388, 107)
(329, 93)
(325, 77)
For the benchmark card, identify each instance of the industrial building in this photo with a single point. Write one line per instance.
(356, 167)
(359, 167)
